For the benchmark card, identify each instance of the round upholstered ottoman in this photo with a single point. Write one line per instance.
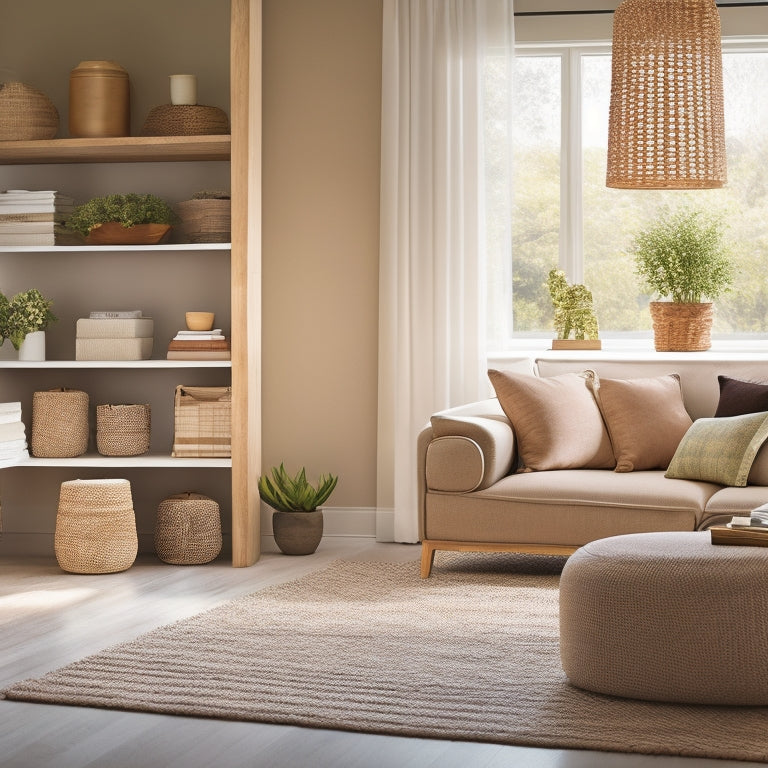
(667, 617)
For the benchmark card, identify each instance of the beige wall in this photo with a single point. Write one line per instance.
(322, 94)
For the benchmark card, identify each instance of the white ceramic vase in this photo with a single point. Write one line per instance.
(33, 347)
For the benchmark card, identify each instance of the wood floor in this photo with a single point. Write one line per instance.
(49, 618)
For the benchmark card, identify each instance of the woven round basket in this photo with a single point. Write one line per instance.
(26, 114)
(122, 430)
(59, 423)
(188, 529)
(205, 221)
(95, 526)
(185, 120)
(681, 327)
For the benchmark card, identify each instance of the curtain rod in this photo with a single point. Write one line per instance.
(607, 10)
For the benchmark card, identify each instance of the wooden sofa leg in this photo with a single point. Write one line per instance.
(427, 558)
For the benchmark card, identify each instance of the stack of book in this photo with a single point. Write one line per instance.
(114, 335)
(13, 436)
(35, 218)
(199, 345)
(744, 530)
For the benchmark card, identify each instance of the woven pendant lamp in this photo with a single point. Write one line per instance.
(666, 127)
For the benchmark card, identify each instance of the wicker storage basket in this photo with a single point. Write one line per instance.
(122, 430)
(204, 221)
(681, 327)
(95, 526)
(188, 529)
(185, 120)
(203, 422)
(59, 423)
(26, 114)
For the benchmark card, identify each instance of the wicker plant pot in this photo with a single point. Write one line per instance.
(59, 423)
(122, 430)
(188, 529)
(204, 221)
(298, 533)
(681, 327)
(26, 114)
(95, 526)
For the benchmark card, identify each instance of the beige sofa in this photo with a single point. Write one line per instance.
(473, 496)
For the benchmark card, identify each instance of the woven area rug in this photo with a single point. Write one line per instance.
(469, 654)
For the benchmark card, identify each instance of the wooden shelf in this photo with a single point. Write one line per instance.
(144, 461)
(125, 149)
(223, 247)
(48, 364)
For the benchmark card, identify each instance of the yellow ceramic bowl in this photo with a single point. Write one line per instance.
(200, 321)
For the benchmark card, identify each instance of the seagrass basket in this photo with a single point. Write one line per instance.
(26, 114)
(95, 526)
(188, 529)
(205, 221)
(203, 422)
(59, 423)
(679, 327)
(122, 430)
(185, 120)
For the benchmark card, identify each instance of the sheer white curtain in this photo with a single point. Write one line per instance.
(444, 203)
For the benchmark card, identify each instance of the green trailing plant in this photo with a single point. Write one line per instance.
(25, 313)
(574, 313)
(129, 210)
(294, 494)
(682, 256)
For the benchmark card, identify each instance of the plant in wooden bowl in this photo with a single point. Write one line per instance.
(297, 522)
(681, 256)
(131, 219)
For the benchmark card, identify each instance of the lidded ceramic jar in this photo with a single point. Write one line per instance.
(99, 100)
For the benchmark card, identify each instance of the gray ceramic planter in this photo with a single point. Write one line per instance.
(298, 533)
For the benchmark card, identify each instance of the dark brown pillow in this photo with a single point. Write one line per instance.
(739, 397)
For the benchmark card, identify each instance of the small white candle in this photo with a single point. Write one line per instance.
(183, 89)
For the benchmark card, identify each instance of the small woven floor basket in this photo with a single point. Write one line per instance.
(185, 120)
(122, 430)
(26, 114)
(188, 529)
(59, 423)
(95, 526)
(681, 327)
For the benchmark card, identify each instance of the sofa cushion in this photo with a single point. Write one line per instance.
(738, 397)
(556, 421)
(646, 418)
(720, 450)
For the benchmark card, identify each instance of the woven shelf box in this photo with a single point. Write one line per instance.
(203, 422)
(113, 349)
(59, 423)
(122, 430)
(188, 529)
(115, 328)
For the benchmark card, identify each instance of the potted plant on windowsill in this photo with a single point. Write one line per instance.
(297, 521)
(131, 219)
(24, 319)
(681, 256)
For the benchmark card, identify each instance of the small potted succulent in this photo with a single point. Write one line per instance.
(297, 521)
(131, 219)
(24, 319)
(575, 320)
(681, 257)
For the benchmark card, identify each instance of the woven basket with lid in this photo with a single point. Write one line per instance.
(26, 114)
(188, 529)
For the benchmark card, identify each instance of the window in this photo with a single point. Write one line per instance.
(564, 215)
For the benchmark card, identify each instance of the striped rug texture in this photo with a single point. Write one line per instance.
(469, 654)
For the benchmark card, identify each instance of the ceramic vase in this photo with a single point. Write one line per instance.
(33, 347)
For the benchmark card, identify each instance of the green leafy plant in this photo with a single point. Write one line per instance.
(129, 210)
(574, 313)
(24, 313)
(294, 494)
(682, 256)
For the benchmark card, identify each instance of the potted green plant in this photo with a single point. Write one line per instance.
(681, 258)
(131, 219)
(297, 521)
(205, 218)
(575, 320)
(24, 319)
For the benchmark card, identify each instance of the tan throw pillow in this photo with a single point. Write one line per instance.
(556, 421)
(646, 419)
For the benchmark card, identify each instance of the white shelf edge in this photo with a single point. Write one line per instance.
(115, 248)
(148, 461)
(160, 364)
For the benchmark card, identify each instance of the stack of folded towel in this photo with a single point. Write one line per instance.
(13, 437)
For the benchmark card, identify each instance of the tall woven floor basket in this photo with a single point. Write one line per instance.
(95, 526)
